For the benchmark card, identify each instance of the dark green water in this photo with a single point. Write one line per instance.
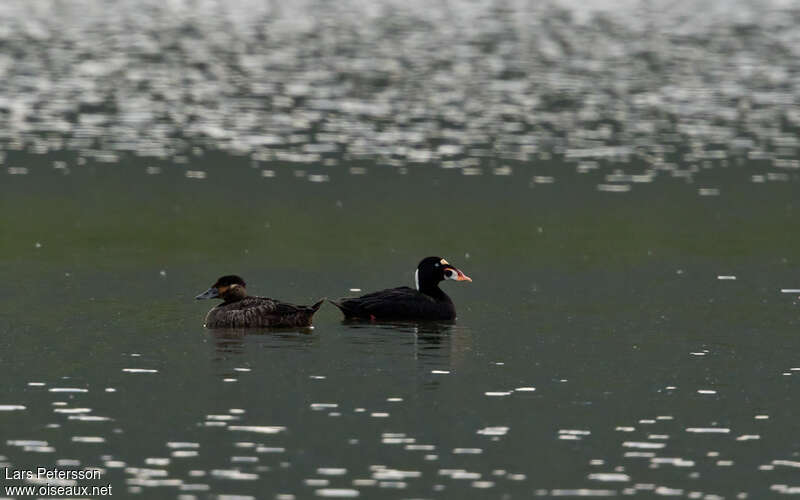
(610, 305)
(618, 178)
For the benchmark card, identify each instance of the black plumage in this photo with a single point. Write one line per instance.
(239, 310)
(427, 302)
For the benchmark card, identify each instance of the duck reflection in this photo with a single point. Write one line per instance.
(415, 327)
(235, 341)
(436, 345)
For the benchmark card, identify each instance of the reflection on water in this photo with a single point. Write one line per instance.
(625, 95)
(436, 346)
(419, 328)
(231, 343)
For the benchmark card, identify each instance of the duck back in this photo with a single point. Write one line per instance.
(402, 303)
(260, 312)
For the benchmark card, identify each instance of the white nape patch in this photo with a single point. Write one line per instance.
(416, 278)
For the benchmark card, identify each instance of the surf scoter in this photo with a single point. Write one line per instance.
(239, 310)
(426, 302)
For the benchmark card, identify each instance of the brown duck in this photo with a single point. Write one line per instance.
(239, 310)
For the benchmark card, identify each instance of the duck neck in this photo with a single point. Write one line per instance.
(433, 290)
(234, 294)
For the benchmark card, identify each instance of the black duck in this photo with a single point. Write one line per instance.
(426, 302)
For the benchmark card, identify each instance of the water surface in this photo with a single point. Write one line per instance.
(619, 181)
(604, 346)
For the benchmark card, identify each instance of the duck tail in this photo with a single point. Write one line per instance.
(306, 314)
(315, 306)
(342, 307)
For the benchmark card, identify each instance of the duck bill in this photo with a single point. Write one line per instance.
(460, 276)
(211, 293)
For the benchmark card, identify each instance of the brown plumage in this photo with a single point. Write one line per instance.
(240, 310)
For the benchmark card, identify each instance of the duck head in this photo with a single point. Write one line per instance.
(433, 270)
(228, 288)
